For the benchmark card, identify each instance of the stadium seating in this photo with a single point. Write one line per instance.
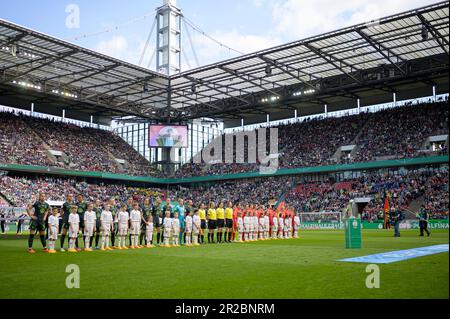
(33, 141)
(21, 191)
(430, 186)
(18, 144)
(394, 133)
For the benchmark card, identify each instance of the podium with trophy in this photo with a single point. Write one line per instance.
(352, 222)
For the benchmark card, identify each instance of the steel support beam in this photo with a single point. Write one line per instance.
(382, 50)
(440, 39)
(332, 60)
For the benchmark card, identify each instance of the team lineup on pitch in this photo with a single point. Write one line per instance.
(173, 224)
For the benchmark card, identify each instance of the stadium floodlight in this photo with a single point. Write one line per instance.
(274, 98)
(268, 70)
(310, 91)
(65, 94)
(27, 85)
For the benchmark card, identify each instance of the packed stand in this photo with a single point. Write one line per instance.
(401, 190)
(394, 133)
(401, 132)
(18, 144)
(28, 141)
(21, 191)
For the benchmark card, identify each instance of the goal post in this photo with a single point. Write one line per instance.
(321, 220)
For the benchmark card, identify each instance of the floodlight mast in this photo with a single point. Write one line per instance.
(168, 38)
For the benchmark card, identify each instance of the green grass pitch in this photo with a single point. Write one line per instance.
(296, 268)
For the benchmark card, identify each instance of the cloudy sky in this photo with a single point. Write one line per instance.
(120, 28)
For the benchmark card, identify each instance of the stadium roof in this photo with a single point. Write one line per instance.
(405, 53)
(42, 69)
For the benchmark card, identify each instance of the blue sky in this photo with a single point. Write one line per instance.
(246, 25)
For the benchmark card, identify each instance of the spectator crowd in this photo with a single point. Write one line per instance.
(429, 186)
(394, 133)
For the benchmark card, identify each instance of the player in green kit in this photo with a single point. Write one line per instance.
(130, 202)
(113, 210)
(156, 212)
(38, 216)
(82, 207)
(65, 219)
(98, 213)
(146, 209)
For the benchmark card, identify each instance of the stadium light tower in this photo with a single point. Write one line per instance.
(168, 38)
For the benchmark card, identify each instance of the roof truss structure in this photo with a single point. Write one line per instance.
(372, 56)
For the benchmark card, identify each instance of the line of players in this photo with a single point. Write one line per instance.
(173, 225)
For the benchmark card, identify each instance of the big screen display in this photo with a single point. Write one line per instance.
(168, 136)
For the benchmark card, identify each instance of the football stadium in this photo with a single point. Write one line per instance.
(314, 168)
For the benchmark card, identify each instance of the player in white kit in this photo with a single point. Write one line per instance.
(291, 224)
(53, 223)
(251, 228)
(106, 225)
(123, 219)
(296, 225)
(149, 226)
(266, 226)
(262, 226)
(196, 228)
(287, 222)
(89, 226)
(74, 228)
(175, 230)
(167, 226)
(247, 226)
(188, 228)
(281, 226)
(255, 226)
(135, 222)
(275, 226)
(240, 227)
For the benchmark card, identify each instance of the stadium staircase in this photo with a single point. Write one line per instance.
(338, 153)
(44, 144)
(3, 198)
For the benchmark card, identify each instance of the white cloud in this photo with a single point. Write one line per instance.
(210, 52)
(257, 3)
(116, 47)
(124, 48)
(291, 20)
(295, 19)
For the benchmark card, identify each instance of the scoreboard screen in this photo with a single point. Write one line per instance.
(168, 136)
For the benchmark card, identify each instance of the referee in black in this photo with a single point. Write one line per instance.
(423, 221)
